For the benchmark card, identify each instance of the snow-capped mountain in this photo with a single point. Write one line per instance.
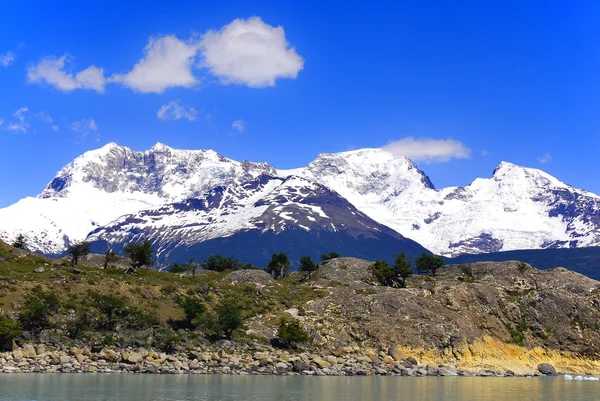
(260, 216)
(102, 190)
(103, 184)
(517, 208)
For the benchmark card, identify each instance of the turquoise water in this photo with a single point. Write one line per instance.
(264, 388)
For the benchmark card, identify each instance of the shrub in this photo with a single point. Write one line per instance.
(328, 256)
(78, 250)
(307, 265)
(166, 339)
(192, 308)
(38, 307)
(427, 263)
(220, 263)
(139, 253)
(291, 332)
(226, 319)
(20, 242)
(278, 266)
(138, 319)
(111, 306)
(9, 329)
(523, 267)
(382, 272)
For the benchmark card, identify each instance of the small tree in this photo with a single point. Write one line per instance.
(39, 305)
(383, 273)
(192, 308)
(140, 253)
(328, 256)
(20, 242)
(9, 329)
(291, 332)
(307, 265)
(78, 250)
(429, 263)
(109, 305)
(402, 268)
(109, 256)
(278, 266)
(226, 319)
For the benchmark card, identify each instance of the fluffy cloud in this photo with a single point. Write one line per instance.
(84, 126)
(239, 125)
(250, 52)
(247, 52)
(167, 63)
(174, 110)
(429, 150)
(546, 158)
(7, 59)
(52, 71)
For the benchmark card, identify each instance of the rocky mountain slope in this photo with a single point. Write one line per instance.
(253, 219)
(517, 208)
(481, 318)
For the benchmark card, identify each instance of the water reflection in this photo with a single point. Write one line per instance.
(196, 387)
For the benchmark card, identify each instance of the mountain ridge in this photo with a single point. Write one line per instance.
(516, 208)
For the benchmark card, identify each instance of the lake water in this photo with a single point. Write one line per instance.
(91, 387)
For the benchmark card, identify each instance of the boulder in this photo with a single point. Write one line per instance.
(29, 351)
(64, 359)
(547, 369)
(321, 363)
(281, 368)
(396, 353)
(40, 349)
(136, 357)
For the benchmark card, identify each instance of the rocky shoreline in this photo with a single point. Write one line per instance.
(346, 361)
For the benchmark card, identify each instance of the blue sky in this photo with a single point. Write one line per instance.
(472, 83)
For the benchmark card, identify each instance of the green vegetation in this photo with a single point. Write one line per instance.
(523, 267)
(192, 309)
(220, 263)
(291, 333)
(78, 250)
(278, 265)
(9, 329)
(109, 256)
(393, 276)
(140, 254)
(429, 263)
(39, 306)
(402, 268)
(20, 242)
(223, 321)
(328, 256)
(307, 265)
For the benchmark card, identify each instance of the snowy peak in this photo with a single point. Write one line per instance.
(509, 172)
(169, 173)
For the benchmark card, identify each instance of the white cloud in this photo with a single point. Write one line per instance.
(546, 158)
(84, 126)
(22, 119)
(429, 150)
(167, 63)
(174, 110)
(239, 125)
(7, 59)
(52, 70)
(55, 128)
(250, 52)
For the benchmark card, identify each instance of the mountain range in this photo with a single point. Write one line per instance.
(367, 203)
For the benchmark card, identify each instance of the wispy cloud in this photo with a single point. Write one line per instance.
(247, 52)
(84, 126)
(546, 158)
(54, 72)
(239, 125)
(22, 119)
(429, 150)
(174, 110)
(7, 59)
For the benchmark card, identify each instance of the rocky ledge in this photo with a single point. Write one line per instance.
(346, 361)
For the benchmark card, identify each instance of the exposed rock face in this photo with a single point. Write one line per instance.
(546, 369)
(553, 309)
